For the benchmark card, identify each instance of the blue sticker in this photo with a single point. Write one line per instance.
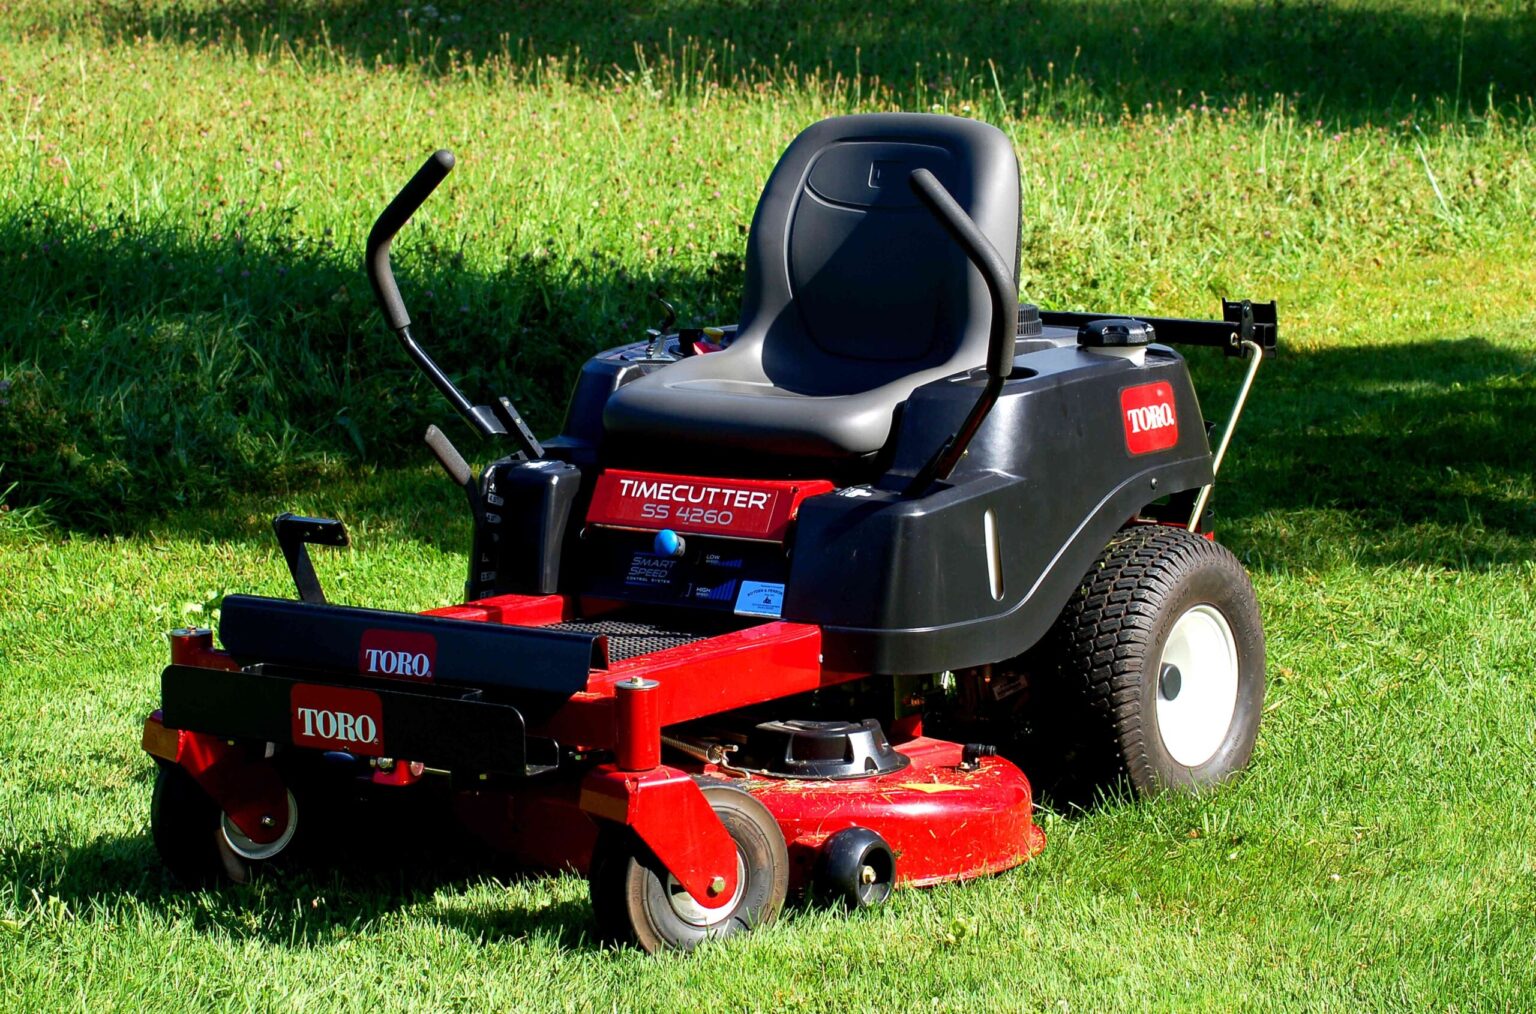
(759, 598)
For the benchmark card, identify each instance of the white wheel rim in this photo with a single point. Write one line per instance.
(694, 914)
(246, 848)
(1194, 722)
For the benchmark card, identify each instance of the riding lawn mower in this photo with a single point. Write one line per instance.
(789, 607)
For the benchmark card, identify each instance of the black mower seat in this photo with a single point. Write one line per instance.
(854, 293)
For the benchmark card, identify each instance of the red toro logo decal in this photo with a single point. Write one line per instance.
(1151, 422)
(397, 653)
(337, 718)
(741, 508)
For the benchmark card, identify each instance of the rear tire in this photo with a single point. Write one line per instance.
(1153, 675)
(636, 901)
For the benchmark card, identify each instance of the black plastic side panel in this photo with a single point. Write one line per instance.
(903, 585)
(582, 433)
(519, 537)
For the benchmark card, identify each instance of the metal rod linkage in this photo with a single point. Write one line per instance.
(1257, 352)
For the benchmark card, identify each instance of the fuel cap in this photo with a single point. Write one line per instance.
(1115, 333)
(1029, 321)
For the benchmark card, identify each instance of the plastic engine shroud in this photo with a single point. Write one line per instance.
(829, 750)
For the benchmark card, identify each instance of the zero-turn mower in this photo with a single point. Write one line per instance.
(788, 603)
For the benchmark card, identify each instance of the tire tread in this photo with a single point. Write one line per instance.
(1094, 656)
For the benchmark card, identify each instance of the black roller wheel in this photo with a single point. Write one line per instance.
(636, 901)
(1153, 675)
(855, 868)
(199, 844)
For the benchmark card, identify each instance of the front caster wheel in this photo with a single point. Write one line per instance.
(636, 901)
(198, 842)
(1154, 673)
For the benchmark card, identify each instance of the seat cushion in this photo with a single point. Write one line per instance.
(724, 399)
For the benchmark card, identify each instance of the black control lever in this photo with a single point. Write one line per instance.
(390, 221)
(1002, 288)
(488, 421)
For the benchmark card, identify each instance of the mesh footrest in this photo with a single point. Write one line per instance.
(629, 638)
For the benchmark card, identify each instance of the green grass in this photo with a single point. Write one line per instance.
(189, 348)
(184, 195)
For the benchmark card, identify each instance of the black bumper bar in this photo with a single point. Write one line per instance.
(444, 728)
(462, 653)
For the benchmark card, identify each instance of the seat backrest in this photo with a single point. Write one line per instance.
(851, 282)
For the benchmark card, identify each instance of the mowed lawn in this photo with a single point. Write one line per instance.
(188, 347)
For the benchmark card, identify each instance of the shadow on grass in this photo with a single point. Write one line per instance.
(1416, 453)
(145, 372)
(387, 857)
(1352, 62)
(418, 503)
(160, 386)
